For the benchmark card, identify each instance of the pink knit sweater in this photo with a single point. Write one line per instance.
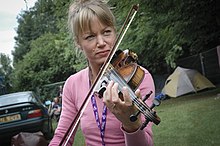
(75, 90)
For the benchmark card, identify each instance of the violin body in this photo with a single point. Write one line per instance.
(125, 64)
(127, 73)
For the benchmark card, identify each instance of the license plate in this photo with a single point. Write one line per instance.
(10, 118)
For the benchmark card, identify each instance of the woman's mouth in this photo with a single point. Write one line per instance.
(103, 53)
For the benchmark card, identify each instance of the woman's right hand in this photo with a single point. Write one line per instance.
(123, 107)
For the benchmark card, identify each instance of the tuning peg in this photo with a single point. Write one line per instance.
(147, 96)
(156, 102)
(133, 117)
(145, 124)
(101, 92)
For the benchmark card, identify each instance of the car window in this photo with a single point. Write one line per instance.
(14, 99)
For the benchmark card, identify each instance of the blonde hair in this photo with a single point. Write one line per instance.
(82, 12)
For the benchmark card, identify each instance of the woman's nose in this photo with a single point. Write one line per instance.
(100, 41)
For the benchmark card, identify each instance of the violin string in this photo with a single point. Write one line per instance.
(117, 78)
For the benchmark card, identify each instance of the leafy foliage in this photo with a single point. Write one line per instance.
(162, 25)
(161, 33)
(44, 53)
(43, 18)
(51, 60)
(5, 71)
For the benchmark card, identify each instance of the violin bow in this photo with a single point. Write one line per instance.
(104, 67)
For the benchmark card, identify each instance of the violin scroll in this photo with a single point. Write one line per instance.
(152, 117)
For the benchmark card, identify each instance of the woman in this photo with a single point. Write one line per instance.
(93, 26)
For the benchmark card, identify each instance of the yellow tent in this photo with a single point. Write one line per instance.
(183, 81)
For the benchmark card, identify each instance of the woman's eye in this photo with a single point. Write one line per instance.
(107, 32)
(89, 37)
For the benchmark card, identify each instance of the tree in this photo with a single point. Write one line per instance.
(43, 18)
(162, 26)
(6, 71)
(45, 23)
(161, 33)
(51, 59)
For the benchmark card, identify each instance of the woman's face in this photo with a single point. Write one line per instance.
(97, 42)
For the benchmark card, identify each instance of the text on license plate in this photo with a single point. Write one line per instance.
(10, 118)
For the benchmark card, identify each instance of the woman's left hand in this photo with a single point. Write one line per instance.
(121, 107)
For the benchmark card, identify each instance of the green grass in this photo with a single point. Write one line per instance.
(79, 139)
(191, 120)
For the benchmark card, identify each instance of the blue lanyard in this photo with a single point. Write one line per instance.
(101, 126)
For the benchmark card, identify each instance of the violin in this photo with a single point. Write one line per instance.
(121, 67)
(124, 70)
